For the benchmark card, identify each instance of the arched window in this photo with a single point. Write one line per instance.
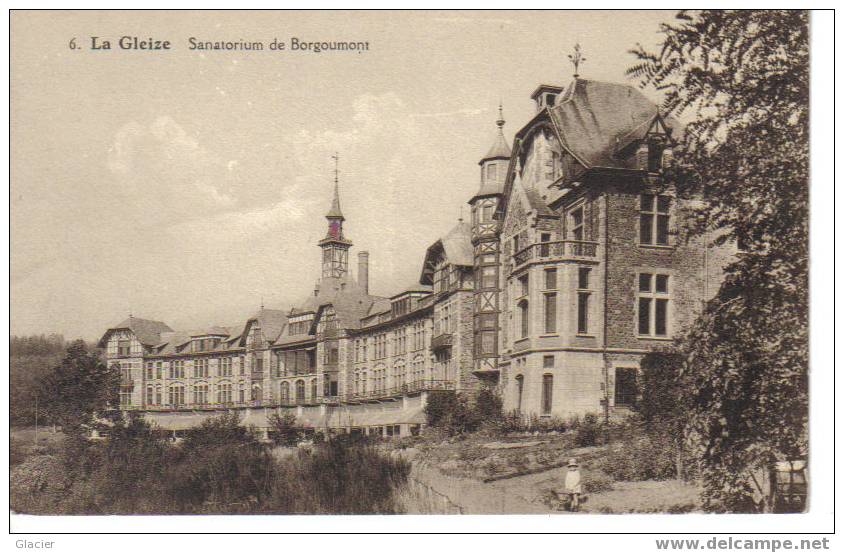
(524, 318)
(300, 390)
(176, 395)
(150, 397)
(314, 389)
(241, 393)
(285, 392)
(520, 387)
(399, 378)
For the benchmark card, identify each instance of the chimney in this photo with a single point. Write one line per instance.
(363, 271)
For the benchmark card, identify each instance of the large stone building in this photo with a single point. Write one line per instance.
(571, 269)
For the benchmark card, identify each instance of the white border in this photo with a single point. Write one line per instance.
(820, 519)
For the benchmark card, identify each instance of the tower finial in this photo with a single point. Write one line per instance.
(336, 158)
(500, 122)
(334, 212)
(576, 59)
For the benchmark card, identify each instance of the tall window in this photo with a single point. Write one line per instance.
(626, 388)
(547, 393)
(224, 393)
(150, 396)
(576, 222)
(314, 389)
(176, 395)
(225, 366)
(550, 301)
(583, 294)
(544, 246)
(524, 318)
(125, 396)
(300, 390)
(550, 308)
(158, 398)
(520, 388)
(200, 394)
(398, 375)
(285, 392)
(653, 299)
(524, 285)
(149, 367)
(654, 219)
(158, 372)
(489, 277)
(241, 392)
(200, 368)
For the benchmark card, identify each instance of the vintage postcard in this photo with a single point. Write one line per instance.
(409, 263)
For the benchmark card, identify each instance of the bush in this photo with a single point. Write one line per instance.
(587, 431)
(451, 412)
(640, 458)
(220, 467)
(338, 478)
(284, 429)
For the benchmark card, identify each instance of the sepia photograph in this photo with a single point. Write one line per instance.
(409, 263)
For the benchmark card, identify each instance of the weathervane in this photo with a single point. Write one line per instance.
(576, 59)
(336, 158)
(500, 121)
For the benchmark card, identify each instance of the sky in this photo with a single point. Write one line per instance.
(191, 186)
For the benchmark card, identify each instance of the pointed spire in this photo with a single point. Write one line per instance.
(500, 149)
(334, 212)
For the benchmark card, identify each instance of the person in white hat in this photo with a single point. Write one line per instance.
(573, 486)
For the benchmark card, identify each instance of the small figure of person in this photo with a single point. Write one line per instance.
(573, 486)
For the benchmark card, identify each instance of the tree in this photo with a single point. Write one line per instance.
(663, 415)
(744, 75)
(79, 389)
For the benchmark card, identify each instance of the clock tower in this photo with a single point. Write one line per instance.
(335, 247)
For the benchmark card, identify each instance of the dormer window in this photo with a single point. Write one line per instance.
(550, 99)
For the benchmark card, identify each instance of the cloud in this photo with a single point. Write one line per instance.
(161, 173)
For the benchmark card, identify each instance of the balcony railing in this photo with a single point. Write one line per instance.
(440, 341)
(371, 395)
(559, 250)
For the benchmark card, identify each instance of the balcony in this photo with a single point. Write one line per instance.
(442, 341)
(372, 395)
(561, 250)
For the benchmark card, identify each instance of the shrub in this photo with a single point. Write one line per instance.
(639, 458)
(451, 412)
(284, 429)
(587, 431)
(221, 467)
(595, 481)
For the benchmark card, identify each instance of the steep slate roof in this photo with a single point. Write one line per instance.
(458, 244)
(592, 117)
(147, 332)
(272, 322)
(457, 247)
(499, 149)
